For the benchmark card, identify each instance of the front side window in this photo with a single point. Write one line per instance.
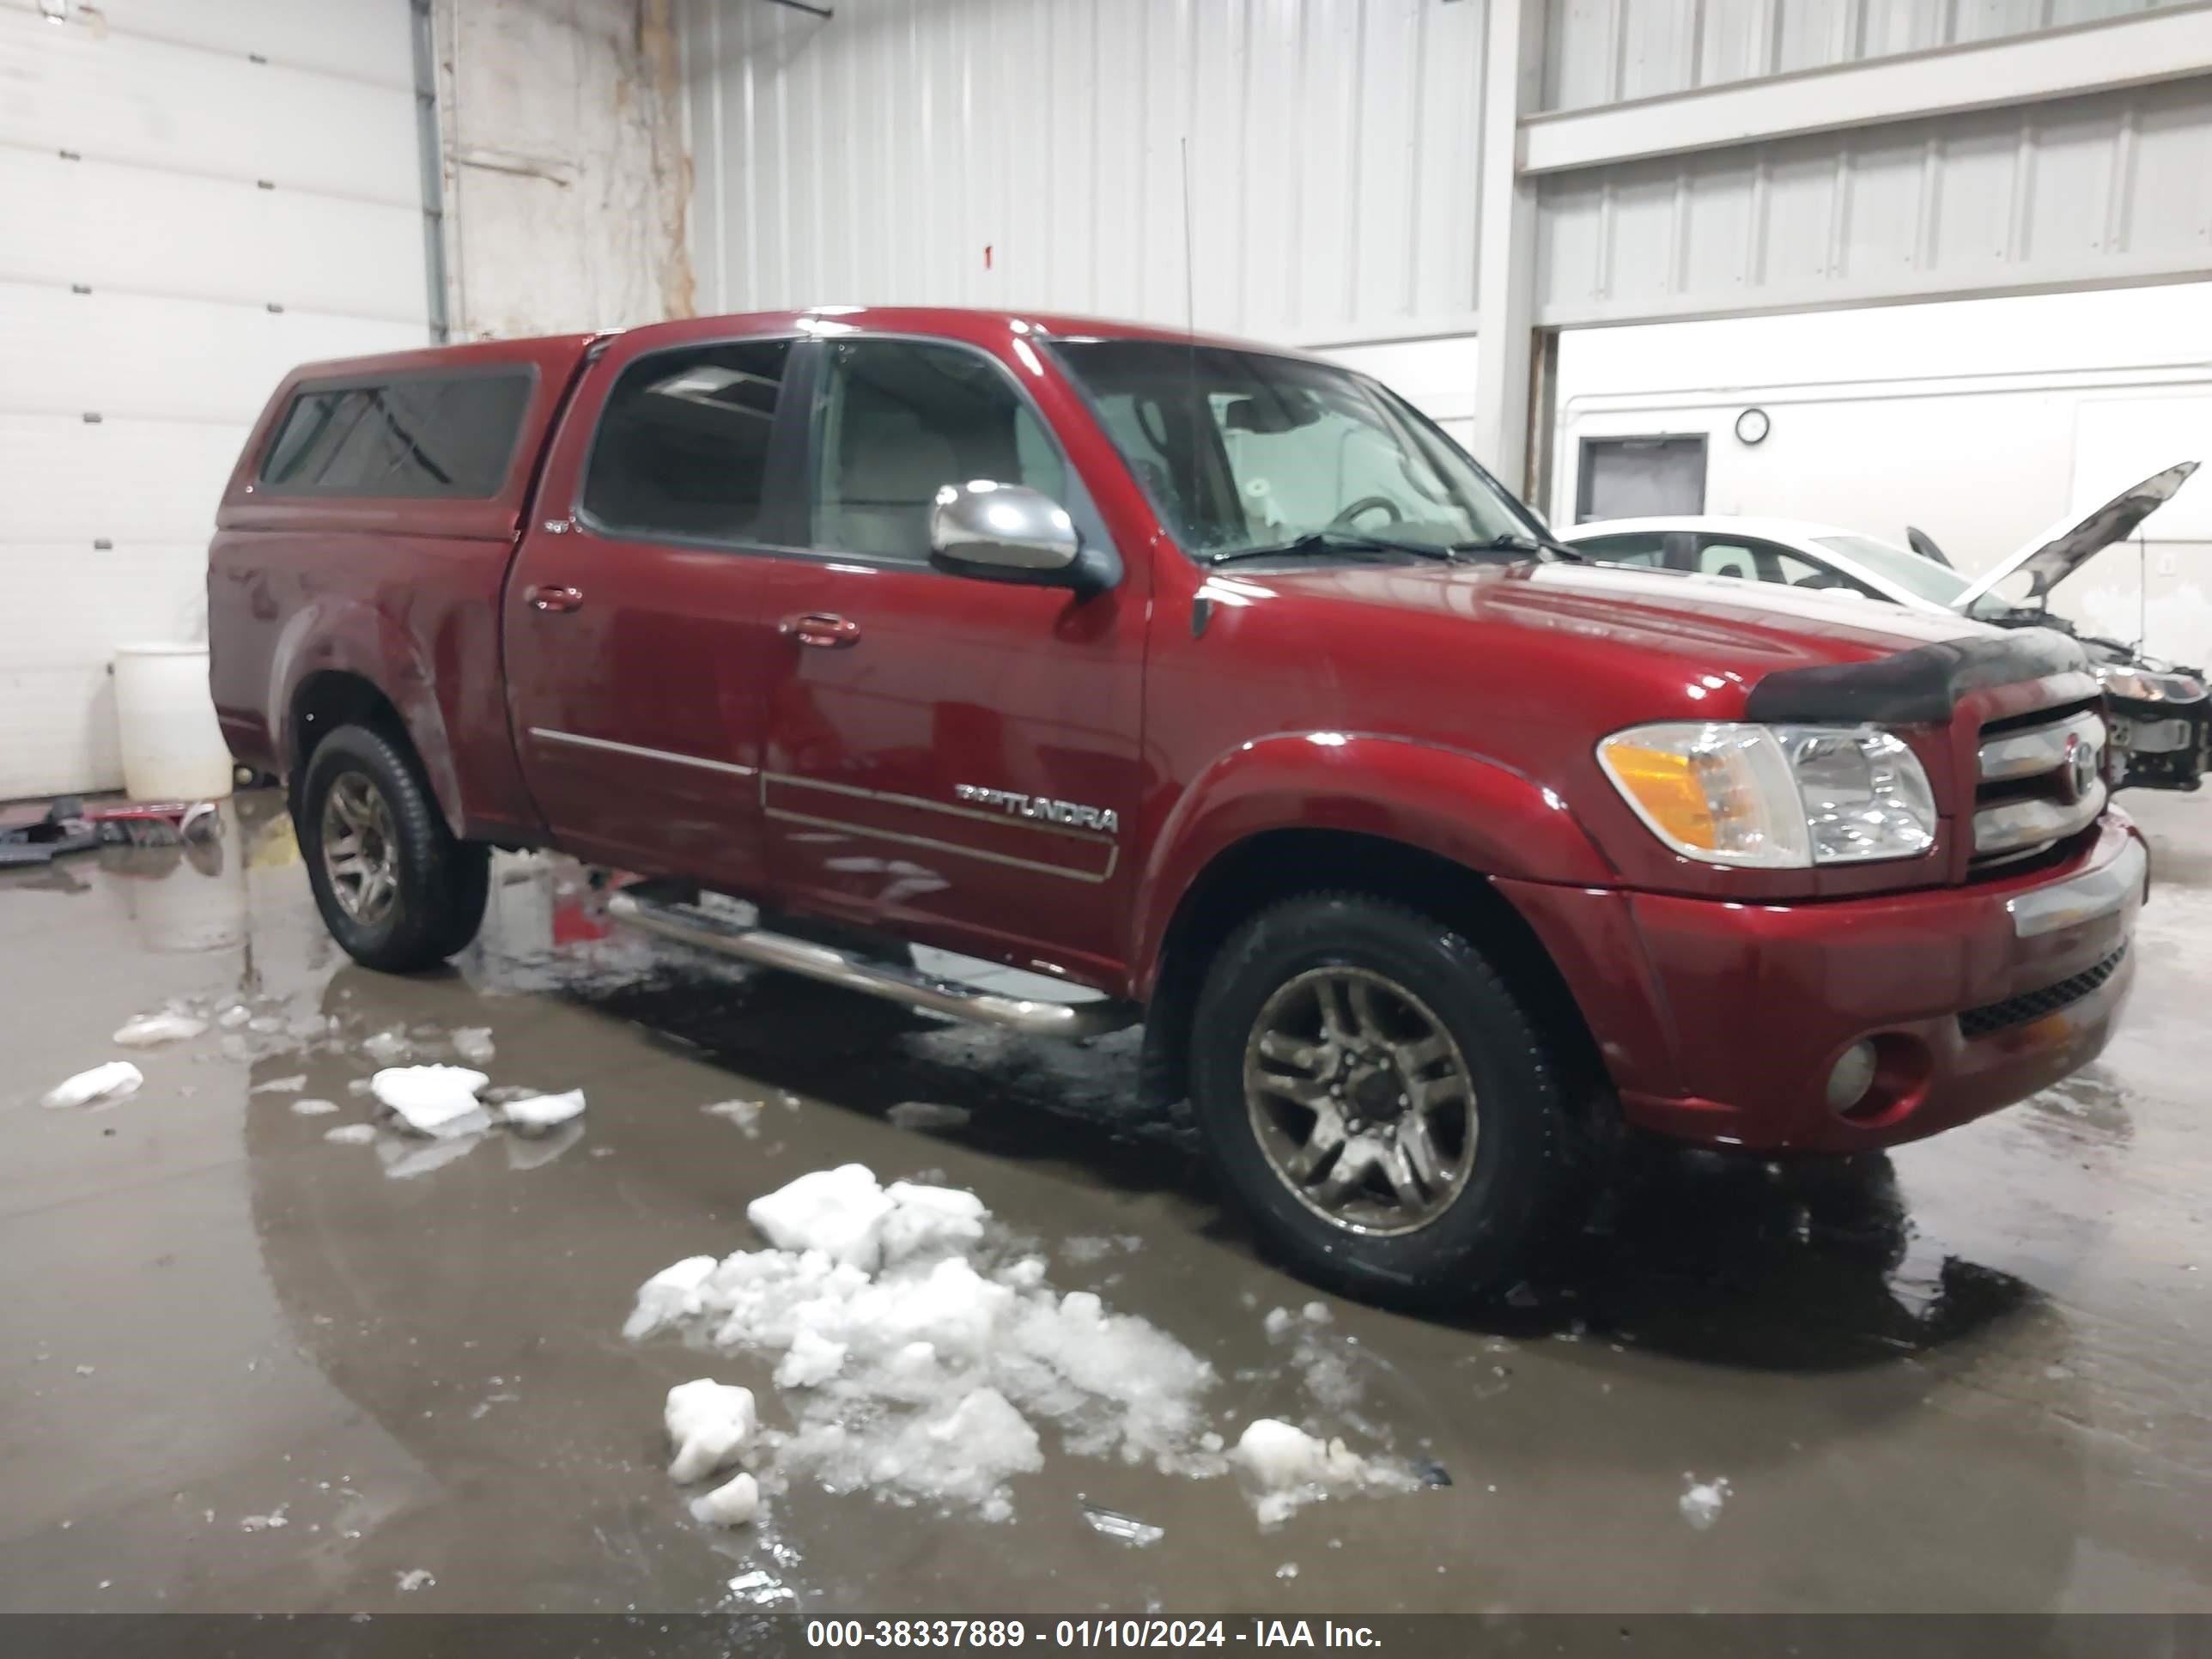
(1241, 451)
(900, 419)
(445, 436)
(682, 446)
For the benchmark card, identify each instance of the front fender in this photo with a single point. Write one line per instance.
(334, 634)
(1479, 813)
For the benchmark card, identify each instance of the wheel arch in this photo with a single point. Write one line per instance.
(1274, 865)
(346, 664)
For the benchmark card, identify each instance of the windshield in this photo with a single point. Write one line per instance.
(1241, 451)
(1922, 578)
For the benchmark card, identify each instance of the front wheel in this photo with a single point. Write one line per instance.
(396, 890)
(1372, 1090)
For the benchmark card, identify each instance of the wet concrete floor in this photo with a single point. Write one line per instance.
(1973, 1377)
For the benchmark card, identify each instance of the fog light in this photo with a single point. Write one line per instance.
(1851, 1078)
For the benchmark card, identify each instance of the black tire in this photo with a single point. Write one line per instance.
(1527, 1178)
(440, 884)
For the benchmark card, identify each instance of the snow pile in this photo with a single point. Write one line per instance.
(112, 1081)
(914, 1372)
(1701, 1501)
(440, 1101)
(149, 1029)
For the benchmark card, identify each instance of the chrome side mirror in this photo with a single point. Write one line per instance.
(1008, 533)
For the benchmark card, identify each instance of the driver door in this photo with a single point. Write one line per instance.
(917, 720)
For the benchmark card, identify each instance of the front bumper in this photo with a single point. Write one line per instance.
(1721, 1021)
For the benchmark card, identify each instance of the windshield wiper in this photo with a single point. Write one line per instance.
(1518, 544)
(1337, 541)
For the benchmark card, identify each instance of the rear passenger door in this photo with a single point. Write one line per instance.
(633, 620)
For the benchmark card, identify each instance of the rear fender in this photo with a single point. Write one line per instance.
(333, 635)
(1479, 814)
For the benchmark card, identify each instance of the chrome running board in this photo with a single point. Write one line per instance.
(685, 924)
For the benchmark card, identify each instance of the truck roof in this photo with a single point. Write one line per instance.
(954, 322)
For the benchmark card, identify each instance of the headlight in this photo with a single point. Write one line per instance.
(2120, 682)
(1774, 797)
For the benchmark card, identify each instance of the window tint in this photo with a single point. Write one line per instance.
(1648, 549)
(899, 420)
(428, 435)
(682, 448)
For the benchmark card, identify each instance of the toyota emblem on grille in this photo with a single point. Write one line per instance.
(2077, 770)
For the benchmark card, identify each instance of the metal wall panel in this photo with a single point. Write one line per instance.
(360, 40)
(1605, 51)
(117, 97)
(194, 196)
(2112, 188)
(1006, 152)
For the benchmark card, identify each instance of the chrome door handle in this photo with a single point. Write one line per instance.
(560, 600)
(820, 628)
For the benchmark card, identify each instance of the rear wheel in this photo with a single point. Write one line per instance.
(1372, 1091)
(395, 888)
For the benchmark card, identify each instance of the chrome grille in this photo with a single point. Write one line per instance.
(2039, 784)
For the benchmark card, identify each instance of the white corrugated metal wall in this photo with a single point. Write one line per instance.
(1009, 152)
(196, 195)
(2115, 187)
(1601, 51)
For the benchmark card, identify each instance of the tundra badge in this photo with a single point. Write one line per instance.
(1105, 819)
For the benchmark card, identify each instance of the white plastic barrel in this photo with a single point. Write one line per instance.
(173, 749)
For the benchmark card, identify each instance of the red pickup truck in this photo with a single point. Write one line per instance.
(1209, 677)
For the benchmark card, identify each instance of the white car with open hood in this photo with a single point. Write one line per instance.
(2161, 714)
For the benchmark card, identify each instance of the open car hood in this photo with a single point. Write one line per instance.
(2071, 543)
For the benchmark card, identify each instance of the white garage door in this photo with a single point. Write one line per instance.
(195, 195)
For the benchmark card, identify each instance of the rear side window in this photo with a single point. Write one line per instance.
(682, 448)
(449, 436)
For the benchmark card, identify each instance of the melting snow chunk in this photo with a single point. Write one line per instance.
(1701, 1502)
(280, 1085)
(113, 1081)
(813, 1358)
(1290, 1466)
(708, 1423)
(431, 1100)
(745, 1114)
(1127, 1529)
(838, 1212)
(730, 1506)
(669, 1295)
(387, 1047)
(473, 1043)
(350, 1134)
(148, 1029)
(310, 1106)
(537, 1112)
(415, 1579)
